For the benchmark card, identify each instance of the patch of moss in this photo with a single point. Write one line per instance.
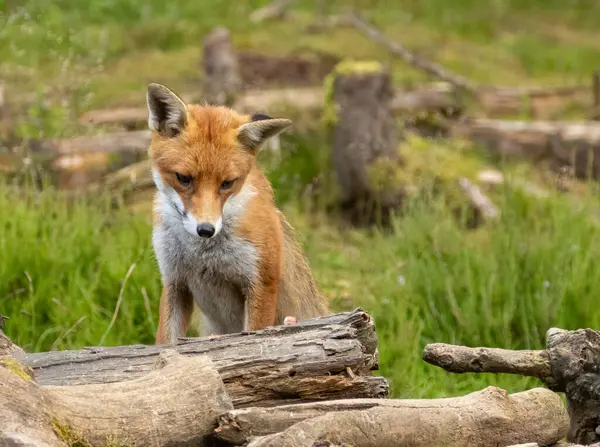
(385, 174)
(74, 439)
(16, 368)
(68, 434)
(346, 66)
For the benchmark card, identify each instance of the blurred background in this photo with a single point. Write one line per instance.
(494, 104)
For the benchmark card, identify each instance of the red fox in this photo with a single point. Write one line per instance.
(219, 239)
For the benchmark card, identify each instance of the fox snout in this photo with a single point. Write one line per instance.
(204, 228)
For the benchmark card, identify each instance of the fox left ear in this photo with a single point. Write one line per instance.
(167, 113)
(262, 127)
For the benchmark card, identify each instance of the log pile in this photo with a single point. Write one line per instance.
(306, 384)
(569, 365)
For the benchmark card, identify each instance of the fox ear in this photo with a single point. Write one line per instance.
(262, 127)
(167, 113)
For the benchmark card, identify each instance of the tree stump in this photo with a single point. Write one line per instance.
(365, 141)
(221, 73)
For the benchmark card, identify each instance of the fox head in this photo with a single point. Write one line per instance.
(202, 156)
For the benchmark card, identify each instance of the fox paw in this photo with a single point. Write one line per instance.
(290, 320)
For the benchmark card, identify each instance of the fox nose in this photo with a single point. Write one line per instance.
(205, 230)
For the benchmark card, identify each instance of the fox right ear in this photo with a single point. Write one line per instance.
(167, 113)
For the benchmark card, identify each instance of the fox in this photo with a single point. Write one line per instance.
(220, 241)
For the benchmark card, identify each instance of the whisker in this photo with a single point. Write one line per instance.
(173, 205)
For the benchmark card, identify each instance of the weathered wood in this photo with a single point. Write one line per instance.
(568, 364)
(365, 144)
(222, 80)
(462, 359)
(128, 117)
(574, 359)
(480, 202)
(136, 176)
(134, 141)
(186, 397)
(540, 103)
(320, 359)
(430, 97)
(7, 347)
(483, 418)
(575, 144)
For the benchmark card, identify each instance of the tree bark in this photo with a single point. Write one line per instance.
(365, 137)
(575, 144)
(186, 397)
(220, 65)
(483, 418)
(7, 347)
(320, 359)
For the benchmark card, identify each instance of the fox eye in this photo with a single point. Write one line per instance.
(227, 184)
(185, 180)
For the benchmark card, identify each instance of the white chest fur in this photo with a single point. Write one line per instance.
(218, 271)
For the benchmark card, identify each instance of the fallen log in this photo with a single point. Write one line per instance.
(483, 418)
(136, 176)
(432, 97)
(186, 397)
(320, 359)
(128, 117)
(575, 144)
(568, 365)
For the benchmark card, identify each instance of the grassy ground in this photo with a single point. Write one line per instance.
(67, 269)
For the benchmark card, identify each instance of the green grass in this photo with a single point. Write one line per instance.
(68, 269)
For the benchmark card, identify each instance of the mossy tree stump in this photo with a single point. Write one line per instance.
(359, 114)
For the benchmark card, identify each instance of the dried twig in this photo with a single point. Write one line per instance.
(274, 10)
(408, 56)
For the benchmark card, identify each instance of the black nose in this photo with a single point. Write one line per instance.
(205, 230)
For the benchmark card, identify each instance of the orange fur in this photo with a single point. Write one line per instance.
(207, 147)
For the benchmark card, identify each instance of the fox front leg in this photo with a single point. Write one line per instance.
(176, 307)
